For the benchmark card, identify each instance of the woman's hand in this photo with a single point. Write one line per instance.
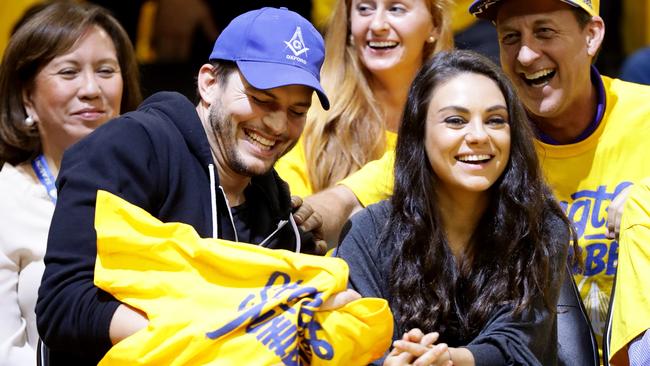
(418, 349)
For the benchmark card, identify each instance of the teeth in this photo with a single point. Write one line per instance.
(538, 74)
(382, 44)
(261, 141)
(474, 157)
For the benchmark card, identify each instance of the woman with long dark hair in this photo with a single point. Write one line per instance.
(471, 249)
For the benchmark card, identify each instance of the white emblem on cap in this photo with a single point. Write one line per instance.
(296, 44)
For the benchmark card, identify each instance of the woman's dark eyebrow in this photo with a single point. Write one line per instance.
(465, 110)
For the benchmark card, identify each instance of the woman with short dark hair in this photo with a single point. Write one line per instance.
(68, 69)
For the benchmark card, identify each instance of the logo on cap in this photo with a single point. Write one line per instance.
(588, 2)
(296, 44)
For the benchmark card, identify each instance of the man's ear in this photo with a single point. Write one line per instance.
(207, 84)
(595, 33)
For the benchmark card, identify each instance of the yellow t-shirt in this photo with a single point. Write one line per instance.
(292, 167)
(631, 308)
(587, 176)
(373, 182)
(214, 302)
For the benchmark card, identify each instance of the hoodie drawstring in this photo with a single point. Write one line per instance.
(213, 202)
(232, 219)
(295, 232)
(215, 228)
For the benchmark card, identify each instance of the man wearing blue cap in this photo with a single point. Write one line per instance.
(208, 165)
(592, 130)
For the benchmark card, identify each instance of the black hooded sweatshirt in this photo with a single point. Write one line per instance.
(157, 158)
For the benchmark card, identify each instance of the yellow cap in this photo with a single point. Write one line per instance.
(590, 6)
(484, 9)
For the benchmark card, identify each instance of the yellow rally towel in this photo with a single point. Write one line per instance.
(215, 302)
(631, 307)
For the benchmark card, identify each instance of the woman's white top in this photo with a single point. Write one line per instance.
(25, 214)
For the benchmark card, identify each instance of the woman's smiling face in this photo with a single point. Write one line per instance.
(390, 35)
(467, 134)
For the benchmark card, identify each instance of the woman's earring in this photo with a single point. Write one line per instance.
(431, 39)
(29, 121)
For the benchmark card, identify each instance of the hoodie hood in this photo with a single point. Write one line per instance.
(178, 110)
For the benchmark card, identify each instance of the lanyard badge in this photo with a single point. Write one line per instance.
(44, 174)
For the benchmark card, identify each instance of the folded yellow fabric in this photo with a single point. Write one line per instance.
(631, 307)
(214, 302)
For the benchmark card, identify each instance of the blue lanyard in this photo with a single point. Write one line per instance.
(44, 174)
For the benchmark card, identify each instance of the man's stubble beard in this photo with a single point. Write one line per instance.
(225, 137)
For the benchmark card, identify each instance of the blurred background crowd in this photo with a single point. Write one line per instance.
(173, 37)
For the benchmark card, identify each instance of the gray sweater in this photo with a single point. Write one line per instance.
(528, 340)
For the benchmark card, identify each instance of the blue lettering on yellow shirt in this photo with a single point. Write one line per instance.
(587, 212)
(294, 343)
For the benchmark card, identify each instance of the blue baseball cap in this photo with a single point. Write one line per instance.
(272, 48)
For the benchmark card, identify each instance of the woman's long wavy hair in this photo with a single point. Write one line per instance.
(45, 35)
(507, 260)
(340, 141)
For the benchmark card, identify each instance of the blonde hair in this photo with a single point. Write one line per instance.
(340, 141)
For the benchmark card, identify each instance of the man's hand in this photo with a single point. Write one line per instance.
(615, 213)
(126, 321)
(336, 205)
(340, 299)
(309, 221)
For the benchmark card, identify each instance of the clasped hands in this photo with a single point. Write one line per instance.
(419, 349)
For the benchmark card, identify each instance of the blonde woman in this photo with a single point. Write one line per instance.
(374, 48)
